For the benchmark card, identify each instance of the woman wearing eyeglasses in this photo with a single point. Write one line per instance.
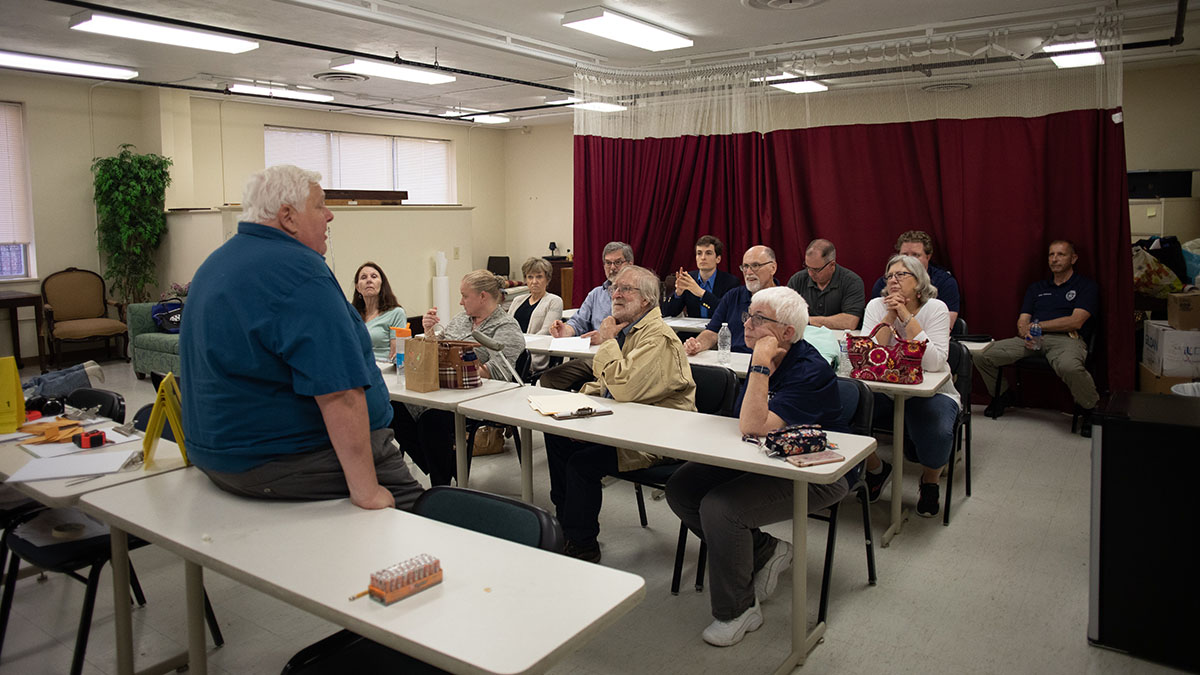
(909, 309)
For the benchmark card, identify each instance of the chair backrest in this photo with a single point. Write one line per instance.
(524, 367)
(496, 515)
(960, 327)
(858, 405)
(75, 294)
(961, 370)
(716, 389)
(112, 404)
(141, 419)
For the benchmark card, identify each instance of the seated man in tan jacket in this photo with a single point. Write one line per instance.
(640, 359)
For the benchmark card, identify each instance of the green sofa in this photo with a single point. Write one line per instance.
(150, 349)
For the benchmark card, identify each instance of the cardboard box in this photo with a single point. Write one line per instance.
(1170, 352)
(1151, 383)
(1183, 310)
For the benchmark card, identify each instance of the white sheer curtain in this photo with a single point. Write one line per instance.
(733, 99)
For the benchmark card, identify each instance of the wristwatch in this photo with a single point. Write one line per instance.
(761, 369)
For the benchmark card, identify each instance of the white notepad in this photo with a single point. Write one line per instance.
(70, 466)
(571, 344)
(563, 403)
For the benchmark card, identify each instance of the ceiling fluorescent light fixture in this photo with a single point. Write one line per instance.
(65, 67)
(800, 87)
(598, 106)
(371, 67)
(155, 32)
(279, 92)
(608, 24)
(490, 119)
(564, 101)
(459, 112)
(1079, 60)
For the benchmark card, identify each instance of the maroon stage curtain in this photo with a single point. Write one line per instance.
(993, 192)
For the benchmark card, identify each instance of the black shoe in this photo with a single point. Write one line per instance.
(996, 408)
(876, 481)
(586, 552)
(929, 503)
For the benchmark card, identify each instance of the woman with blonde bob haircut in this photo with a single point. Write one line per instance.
(433, 430)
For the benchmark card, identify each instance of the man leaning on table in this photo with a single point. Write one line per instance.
(1062, 306)
(282, 398)
(834, 294)
(699, 292)
(758, 269)
(788, 382)
(640, 360)
(596, 307)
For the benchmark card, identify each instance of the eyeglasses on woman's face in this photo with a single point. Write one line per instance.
(898, 276)
(757, 320)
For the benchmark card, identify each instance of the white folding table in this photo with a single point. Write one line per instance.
(502, 607)
(445, 399)
(708, 439)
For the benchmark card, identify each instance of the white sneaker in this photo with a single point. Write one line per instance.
(729, 633)
(767, 578)
(94, 372)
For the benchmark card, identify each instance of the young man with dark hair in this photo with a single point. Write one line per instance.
(700, 291)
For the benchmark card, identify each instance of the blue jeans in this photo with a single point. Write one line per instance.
(56, 383)
(928, 423)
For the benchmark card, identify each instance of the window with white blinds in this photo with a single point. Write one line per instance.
(422, 166)
(16, 209)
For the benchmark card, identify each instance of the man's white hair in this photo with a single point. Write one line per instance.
(268, 190)
(790, 307)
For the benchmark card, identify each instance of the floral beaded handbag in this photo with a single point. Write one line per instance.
(796, 439)
(899, 363)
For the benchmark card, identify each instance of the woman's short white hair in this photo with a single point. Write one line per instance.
(790, 308)
(268, 190)
(925, 289)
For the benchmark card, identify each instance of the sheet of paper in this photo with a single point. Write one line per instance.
(571, 344)
(563, 403)
(73, 465)
(60, 449)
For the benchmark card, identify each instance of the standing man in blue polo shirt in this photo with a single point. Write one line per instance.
(758, 269)
(282, 398)
(919, 245)
(699, 292)
(1061, 305)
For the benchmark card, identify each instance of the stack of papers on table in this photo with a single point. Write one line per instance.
(571, 344)
(70, 466)
(554, 404)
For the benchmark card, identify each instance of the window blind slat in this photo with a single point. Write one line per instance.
(16, 211)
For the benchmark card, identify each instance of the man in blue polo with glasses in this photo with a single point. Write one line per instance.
(758, 269)
(834, 294)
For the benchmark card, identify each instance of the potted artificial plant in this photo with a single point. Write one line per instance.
(130, 218)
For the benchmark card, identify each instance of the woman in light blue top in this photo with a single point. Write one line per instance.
(378, 307)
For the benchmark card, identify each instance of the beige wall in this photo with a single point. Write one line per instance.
(539, 201)
(1162, 119)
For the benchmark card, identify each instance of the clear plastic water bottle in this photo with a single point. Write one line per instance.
(1035, 336)
(843, 362)
(724, 345)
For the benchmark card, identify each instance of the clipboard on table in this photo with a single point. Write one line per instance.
(568, 406)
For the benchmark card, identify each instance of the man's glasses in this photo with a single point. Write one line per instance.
(756, 320)
(898, 276)
(817, 270)
(755, 266)
(615, 263)
(623, 289)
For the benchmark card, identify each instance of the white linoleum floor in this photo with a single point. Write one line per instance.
(1003, 589)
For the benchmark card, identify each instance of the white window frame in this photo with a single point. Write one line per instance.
(27, 248)
(333, 158)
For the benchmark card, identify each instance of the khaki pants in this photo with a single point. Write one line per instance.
(1065, 354)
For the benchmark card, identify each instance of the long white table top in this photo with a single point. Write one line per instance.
(682, 434)
(66, 491)
(502, 607)
(540, 344)
(440, 399)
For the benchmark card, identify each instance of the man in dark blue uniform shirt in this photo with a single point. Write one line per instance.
(1061, 305)
(919, 245)
(699, 292)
